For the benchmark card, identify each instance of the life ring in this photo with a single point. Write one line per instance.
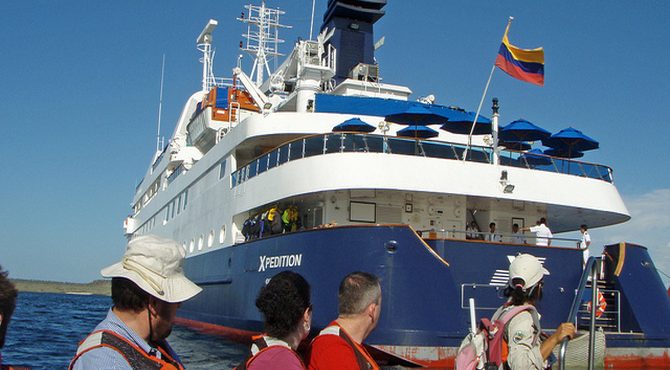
(602, 305)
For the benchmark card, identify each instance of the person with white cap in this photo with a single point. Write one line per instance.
(522, 333)
(148, 286)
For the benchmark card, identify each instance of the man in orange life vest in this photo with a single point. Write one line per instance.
(340, 345)
(148, 286)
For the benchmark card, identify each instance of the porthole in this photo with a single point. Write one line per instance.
(190, 246)
(200, 241)
(222, 234)
(210, 239)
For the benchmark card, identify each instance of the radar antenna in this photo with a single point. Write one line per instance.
(262, 37)
(204, 44)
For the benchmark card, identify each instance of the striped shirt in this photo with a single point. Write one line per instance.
(103, 358)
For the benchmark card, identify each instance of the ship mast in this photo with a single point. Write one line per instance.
(204, 44)
(262, 37)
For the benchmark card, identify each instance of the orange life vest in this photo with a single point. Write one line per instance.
(365, 361)
(137, 358)
(261, 345)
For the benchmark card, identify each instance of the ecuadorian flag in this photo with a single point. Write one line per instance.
(523, 64)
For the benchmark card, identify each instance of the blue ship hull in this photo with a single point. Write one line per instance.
(425, 284)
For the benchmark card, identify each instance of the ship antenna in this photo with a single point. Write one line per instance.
(311, 23)
(262, 37)
(160, 109)
(204, 44)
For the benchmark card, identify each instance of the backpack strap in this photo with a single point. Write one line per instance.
(507, 316)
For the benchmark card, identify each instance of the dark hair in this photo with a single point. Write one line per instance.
(357, 291)
(8, 295)
(543, 220)
(283, 302)
(518, 296)
(583, 226)
(515, 225)
(127, 296)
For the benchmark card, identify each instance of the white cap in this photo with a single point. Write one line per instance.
(528, 268)
(155, 265)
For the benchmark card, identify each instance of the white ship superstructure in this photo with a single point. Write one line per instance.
(255, 178)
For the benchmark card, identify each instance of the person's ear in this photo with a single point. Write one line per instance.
(152, 306)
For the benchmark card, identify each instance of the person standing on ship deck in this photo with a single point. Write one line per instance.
(148, 286)
(543, 234)
(493, 237)
(517, 236)
(585, 242)
(340, 345)
(522, 332)
(286, 308)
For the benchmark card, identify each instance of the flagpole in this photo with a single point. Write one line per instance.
(481, 101)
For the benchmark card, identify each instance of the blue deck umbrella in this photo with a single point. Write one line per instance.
(535, 157)
(417, 115)
(417, 131)
(522, 130)
(354, 124)
(461, 123)
(563, 153)
(570, 140)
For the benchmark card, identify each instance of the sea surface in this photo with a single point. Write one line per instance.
(46, 328)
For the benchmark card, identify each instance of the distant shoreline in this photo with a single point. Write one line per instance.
(99, 287)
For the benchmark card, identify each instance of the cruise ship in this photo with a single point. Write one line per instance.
(324, 168)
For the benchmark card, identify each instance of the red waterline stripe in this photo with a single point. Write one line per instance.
(237, 335)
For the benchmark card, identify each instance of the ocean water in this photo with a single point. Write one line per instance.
(46, 328)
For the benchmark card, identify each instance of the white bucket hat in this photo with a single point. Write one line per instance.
(155, 265)
(528, 268)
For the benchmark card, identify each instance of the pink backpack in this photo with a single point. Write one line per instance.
(484, 349)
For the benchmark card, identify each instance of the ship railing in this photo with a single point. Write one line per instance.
(348, 142)
(590, 272)
(497, 237)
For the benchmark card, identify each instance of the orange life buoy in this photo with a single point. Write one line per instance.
(602, 305)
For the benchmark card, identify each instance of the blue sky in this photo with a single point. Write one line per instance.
(79, 88)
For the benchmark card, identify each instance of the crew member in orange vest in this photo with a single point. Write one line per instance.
(148, 286)
(340, 345)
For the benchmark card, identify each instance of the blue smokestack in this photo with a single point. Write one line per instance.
(353, 37)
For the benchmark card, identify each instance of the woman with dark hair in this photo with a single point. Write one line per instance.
(286, 308)
(526, 350)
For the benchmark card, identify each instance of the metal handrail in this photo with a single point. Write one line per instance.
(433, 149)
(592, 267)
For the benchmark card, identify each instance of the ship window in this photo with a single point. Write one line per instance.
(272, 159)
(222, 234)
(222, 169)
(167, 214)
(185, 197)
(295, 151)
(183, 245)
(263, 163)
(190, 246)
(200, 242)
(283, 153)
(313, 146)
(172, 213)
(179, 204)
(210, 239)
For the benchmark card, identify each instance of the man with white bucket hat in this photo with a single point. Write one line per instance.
(148, 286)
